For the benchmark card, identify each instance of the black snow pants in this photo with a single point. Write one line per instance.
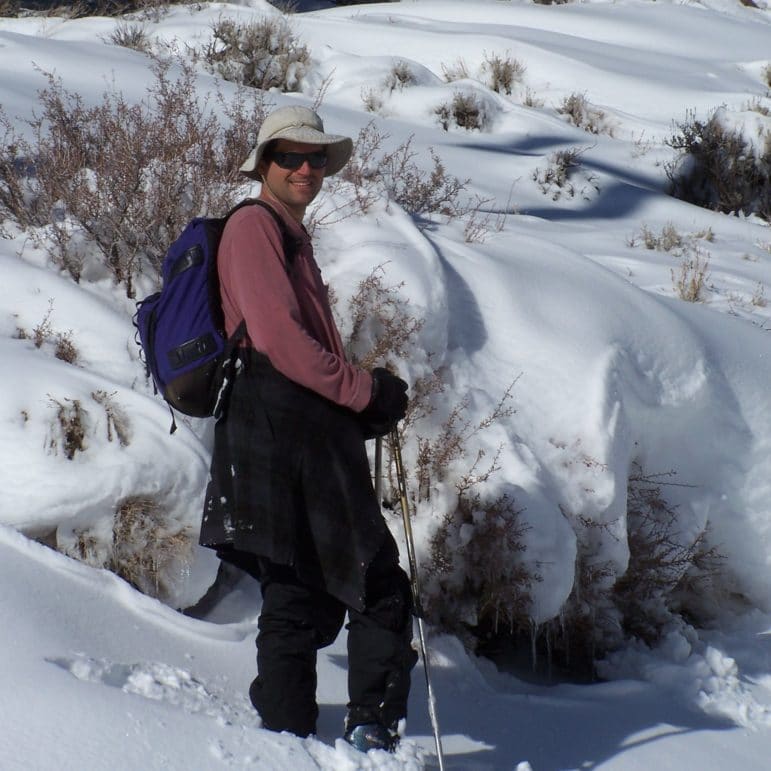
(297, 620)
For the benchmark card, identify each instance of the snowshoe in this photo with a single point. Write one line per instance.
(371, 736)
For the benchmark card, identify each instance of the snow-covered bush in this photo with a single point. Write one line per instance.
(465, 110)
(720, 167)
(261, 54)
(140, 543)
(564, 175)
(578, 111)
(502, 72)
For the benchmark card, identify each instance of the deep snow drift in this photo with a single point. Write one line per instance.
(561, 295)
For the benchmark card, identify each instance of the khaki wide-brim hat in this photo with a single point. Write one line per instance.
(299, 124)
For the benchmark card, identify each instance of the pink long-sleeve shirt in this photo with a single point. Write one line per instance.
(288, 316)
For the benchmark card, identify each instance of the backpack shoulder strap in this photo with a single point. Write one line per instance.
(289, 243)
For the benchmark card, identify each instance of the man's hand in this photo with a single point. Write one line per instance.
(388, 404)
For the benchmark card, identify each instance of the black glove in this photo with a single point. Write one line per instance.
(387, 406)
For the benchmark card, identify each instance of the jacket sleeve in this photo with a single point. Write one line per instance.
(255, 286)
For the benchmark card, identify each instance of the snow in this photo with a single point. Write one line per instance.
(610, 369)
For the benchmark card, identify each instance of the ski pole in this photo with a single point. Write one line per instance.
(379, 470)
(402, 482)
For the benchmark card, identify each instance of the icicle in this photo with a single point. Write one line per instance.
(548, 651)
(533, 640)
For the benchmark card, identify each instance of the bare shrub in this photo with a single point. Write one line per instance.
(456, 71)
(381, 330)
(373, 101)
(82, 8)
(503, 72)
(123, 179)
(421, 191)
(146, 551)
(583, 115)
(399, 76)
(16, 169)
(692, 276)
(717, 168)
(262, 54)
(668, 240)
(64, 348)
(134, 36)
(531, 100)
(43, 333)
(376, 173)
(661, 559)
(437, 455)
(68, 430)
(481, 220)
(667, 574)
(557, 179)
(473, 568)
(381, 323)
(479, 582)
(118, 423)
(465, 111)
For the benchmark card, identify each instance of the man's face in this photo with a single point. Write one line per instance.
(295, 188)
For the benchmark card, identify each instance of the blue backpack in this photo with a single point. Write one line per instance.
(181, 328)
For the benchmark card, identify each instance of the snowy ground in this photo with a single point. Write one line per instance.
(613, 368)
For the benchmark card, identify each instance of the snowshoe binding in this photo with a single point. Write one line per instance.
(371, 736)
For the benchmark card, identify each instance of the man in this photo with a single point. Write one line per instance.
(290, 499)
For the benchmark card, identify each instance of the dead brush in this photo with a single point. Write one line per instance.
(381, 326)
(118, 423)
(44, 334)
(717, 168)
(380, 330)
(465, 111)
(474, 552)
(661, 559)
(580, 113)
(477, 577)
(259, 54)
(691, 279)
(436, 455)
(68, 429)
(146, 551)
(125, 178)
(502, 72)
(84, 8)
(557, 179)
(400, 76)
(133, 36)
(456, 71)
(669, 239)
(375, 173)
(479, 581)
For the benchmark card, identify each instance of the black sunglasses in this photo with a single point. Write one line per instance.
(292, 161)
